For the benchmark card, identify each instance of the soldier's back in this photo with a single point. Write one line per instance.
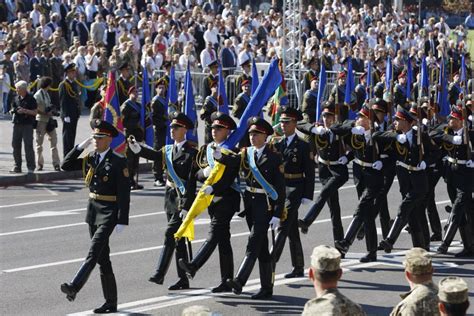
(332, 302)
(422, 300)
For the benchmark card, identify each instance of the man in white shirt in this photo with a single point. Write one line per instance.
(207, 56)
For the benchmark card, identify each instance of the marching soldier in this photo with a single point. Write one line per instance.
(361, 91)
(242, 100)
(459, 178)
(311, 73)
(160, 120)
(225, 204)
(325, 271)
(57, 72)
(298, 162)
(123, 82)
(131, 122)
(69, 95)
(308, 108)
(333, 172)
(246, 73)
(367, 178)
(180, 192)
(337, 97)
(422, 299)
(413, 153)
(106, 175)
(211, 79)
(264, 203)
(209, 106)
(400, 91)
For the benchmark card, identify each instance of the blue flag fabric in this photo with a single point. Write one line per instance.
(221, 95)
(369, 81)
(321, 87)
(425, 80)
(146, 99)
(172, 100)
(255, 81)
(265, 90)
(409, 78)
(442, 99)
(350, 86)
(190, 106)
(388, 72)
(112, 114)
(463, 76)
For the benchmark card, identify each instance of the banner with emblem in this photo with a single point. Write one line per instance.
(112, 114)
(270, 82)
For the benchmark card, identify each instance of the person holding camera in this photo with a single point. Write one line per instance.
(24, 112)
(46, 124)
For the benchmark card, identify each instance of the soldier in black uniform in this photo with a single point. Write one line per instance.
(400, 91)
(308, 108)
(459, 178)
(413, 152)
(361, 91)
(311, 73)
(332, 168)
(225, 204)
(106, 175)
(160, 119)
(131, 122)
(57, 72)
(242, 100)
(123, 83)
(211, 79)
(180, 192)
(454, 89)
(298, 162)
(367, 178)
(69, 95)
(209, 106)
(264, 203)
(337, 97)
(246, 73)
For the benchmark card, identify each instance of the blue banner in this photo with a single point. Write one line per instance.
(409, 78)
(321, 86)
(146, 98)
(221, 95)
(190, 106)
(350, 86)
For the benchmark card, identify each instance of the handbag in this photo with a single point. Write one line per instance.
(52, 124)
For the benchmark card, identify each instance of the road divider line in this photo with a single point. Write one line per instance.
(28, 203)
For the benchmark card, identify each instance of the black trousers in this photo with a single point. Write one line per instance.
(69, 135)
(429, 203)
(158, 143)
(381, 202)
(258, 218)
(174, 221)
(99, 252)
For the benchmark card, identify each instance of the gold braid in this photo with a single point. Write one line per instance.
(122, 87)
(199, 158)
(70, 90)
(403, 151)
(356, 144)
(90, 172)
(320, 143)
(244, 166)
(446, 146)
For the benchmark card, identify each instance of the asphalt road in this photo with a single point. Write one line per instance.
(43, 241)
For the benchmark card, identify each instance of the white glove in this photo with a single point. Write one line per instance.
(470, 117)
(424, 121)
(183, 213)
(318, 130)
(134, 146)
(470, 164)
(207, 171)
(274, 222)
(119, 228)
(217, 153)
(358, 130)
(457, 140)
(402, 138)
(343, 160)
(377, 165)
(305, 201)
(208, 190)
(422, 165)
(67, 119)
(85, 144)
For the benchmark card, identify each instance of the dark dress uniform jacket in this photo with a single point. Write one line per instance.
(122, 86)
(240, 104)
(131, 119)
(109, 178)
(69, 99)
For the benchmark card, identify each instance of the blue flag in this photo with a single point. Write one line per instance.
(388, 72)
(221, 95)
(254, 78)
(112, 114)
(350, 86)
(463, 77)
(146, 98)
(321, 87)
(442, 99)
(190, 106)
(409, 78)
(425, 80)
(265, 90)
(369, 81)
(171, 100)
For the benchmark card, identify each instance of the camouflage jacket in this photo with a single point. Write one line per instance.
(332, 302)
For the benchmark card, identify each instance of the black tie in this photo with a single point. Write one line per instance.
(175, 150)
(97, 159)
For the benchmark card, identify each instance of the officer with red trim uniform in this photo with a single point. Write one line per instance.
(107, 177)
(210, 105)
(160, 122)
(242, 100)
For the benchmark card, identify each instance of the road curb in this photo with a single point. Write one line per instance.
(25, 178)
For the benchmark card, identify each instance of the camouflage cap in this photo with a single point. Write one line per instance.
(325, 258)
(453, 290)
(418, 261)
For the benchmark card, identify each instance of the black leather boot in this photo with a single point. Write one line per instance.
(311, 216)
(109, 288)
(352, 230)
(466, 236)
(395, 230)
(181, 284)
(295, 273)
(242, 275)
(266, 282)
(163, 265)
(201, 257)
(71, 289)
(370, 257)
(448, 238)
(226, 261)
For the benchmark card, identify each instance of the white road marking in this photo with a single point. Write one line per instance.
(52, 213)
(28, 203)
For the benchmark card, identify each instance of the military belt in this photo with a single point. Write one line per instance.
(255, 190)
(408, 167)
(101, 197)
(457, 161)
(363, 163)
(293, 176)
(328, 162)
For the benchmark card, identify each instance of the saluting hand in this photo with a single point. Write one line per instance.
(85, 143)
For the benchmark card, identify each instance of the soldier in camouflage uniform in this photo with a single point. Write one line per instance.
(453, 296)
(423, 296)
(325, 271)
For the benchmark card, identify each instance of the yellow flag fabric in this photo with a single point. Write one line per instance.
(201, 202)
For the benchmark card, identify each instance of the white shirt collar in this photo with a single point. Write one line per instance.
(102, 154)
(179, 145)
(459, 132)
(289, 139)
(260, 150)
